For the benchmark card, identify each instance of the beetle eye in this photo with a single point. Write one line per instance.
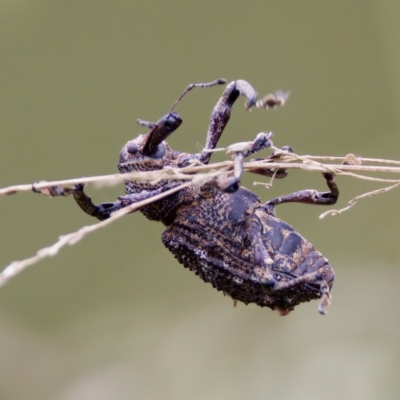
(131, 147)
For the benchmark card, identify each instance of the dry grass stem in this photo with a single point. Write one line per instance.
(186, 174)
(198, 174)
(352, 202)
(71, 238)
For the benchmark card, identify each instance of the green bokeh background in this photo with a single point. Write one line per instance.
(115, 316)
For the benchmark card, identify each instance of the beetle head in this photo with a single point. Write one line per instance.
(149, 151)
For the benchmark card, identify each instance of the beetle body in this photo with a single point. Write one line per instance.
(218, 229)
(209, 237)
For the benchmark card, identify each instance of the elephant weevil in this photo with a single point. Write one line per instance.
(219, 229)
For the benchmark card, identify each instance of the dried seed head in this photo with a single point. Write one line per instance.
(351, 159)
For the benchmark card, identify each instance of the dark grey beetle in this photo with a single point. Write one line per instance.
(219, 229)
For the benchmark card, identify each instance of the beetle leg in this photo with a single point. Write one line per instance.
(310, 196)
(278, 174)
(101, 211)
(222, 112)
(261, 142)
(104, 210)
(231, 184)
(262, 261)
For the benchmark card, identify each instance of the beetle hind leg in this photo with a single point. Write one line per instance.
(262, 272)
(310, 196)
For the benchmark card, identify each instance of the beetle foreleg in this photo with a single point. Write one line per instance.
(104, 210)
(222, 113)
(101, 211)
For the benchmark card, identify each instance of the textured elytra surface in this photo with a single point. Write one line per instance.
(208, 237)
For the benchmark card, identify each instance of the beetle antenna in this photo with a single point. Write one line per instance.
(220, 81)
(147, 124)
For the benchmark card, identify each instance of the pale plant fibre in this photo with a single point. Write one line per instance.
(203, 173)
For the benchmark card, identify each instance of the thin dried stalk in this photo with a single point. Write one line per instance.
(197, 175)
(71, 238)
(186, 174)
(352, 202)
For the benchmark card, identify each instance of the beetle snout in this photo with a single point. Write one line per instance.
(172, 121)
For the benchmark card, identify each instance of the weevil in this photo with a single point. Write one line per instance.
(218, 229)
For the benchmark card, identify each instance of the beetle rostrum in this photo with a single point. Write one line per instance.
(219, 229)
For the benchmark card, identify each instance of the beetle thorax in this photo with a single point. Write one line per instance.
(132, 159)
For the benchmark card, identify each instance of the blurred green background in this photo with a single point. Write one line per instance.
(116, 317)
